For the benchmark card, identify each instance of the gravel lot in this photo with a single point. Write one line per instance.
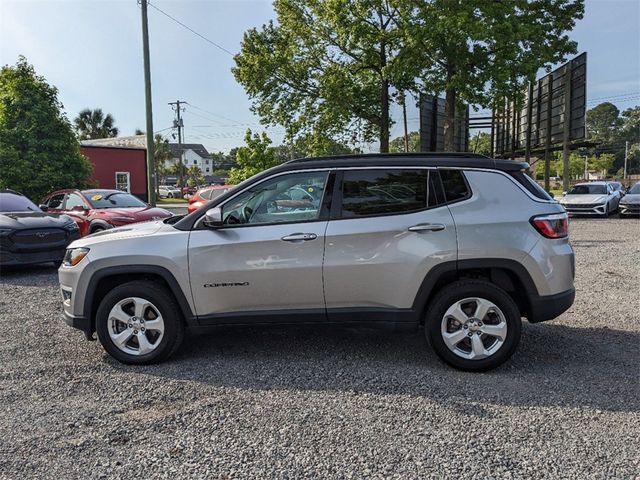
(315, 403)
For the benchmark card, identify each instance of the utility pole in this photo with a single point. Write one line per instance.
(177, 123)
(151, 198)
(404, 117)
(586, 172)
(626, 155)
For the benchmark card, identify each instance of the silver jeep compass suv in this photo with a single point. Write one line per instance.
(460, 244)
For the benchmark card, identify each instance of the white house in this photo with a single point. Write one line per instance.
(193, 154)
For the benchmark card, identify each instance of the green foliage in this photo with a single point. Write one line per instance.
(605, 124)
(194, 176)
(480, 143)
(397, 144)
(39, 152)
(478, 51)
(325, 68)
(253, 158)
(329, 66)
(576, 165)
(95, 124)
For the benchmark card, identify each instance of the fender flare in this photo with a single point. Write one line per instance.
(99, 223)
(166, 275)
(451, 271)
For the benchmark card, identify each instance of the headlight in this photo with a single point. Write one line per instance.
(71, 226)
(74, 256)
(5, 231)
(123, 219)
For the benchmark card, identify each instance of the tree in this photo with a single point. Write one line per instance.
(253, 158)
(138, 132)
(603, 121)
(194, 176)
(162, 153)
(481, 143)
(39, 152)
(478, 51)
(326, 68)
(397, 144)
(95, 124)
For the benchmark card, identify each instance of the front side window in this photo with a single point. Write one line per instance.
(295, 197)
(73, 200)
(380, 192)
(55, 201)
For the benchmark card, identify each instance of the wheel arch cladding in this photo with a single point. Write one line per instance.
(107, 278)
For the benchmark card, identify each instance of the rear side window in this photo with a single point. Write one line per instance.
(531, 185)
(206, 194)
(380, 192)
(455, 186)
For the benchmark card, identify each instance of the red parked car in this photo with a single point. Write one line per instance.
(206, 194)
(96, 210)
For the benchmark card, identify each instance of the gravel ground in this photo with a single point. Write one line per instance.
(315, 403)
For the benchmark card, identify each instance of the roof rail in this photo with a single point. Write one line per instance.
(387, 155)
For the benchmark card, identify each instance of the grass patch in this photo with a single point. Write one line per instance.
(171, 200)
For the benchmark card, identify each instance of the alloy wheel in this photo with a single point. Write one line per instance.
(474, 328)
(135, 326)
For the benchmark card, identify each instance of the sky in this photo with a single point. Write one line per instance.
(91, 50)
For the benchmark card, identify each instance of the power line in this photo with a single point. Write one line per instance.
(220, 47)
(215, 114)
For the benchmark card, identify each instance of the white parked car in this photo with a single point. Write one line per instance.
(168, 191)
(593, 198)
(630, 204)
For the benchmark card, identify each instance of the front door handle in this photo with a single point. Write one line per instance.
(427, 227)
(299, 237)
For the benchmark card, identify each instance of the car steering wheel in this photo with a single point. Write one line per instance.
(246, 214)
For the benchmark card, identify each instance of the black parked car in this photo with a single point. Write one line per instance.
(28, 235)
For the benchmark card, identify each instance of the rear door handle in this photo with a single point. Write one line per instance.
(427, 227)
(299, 237)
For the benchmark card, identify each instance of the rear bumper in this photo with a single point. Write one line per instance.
(548, 307)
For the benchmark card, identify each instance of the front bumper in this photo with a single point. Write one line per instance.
(631, 209)
(576, 209)
(8, 258)
(548, 307)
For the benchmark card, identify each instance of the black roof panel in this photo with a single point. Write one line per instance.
(431, 159)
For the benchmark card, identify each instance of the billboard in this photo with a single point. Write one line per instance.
(553, 112)
(432, 125)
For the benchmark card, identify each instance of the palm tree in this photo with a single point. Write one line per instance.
(162, 153)
(94, 124)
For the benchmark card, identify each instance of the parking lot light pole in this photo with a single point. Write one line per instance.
(151, 197)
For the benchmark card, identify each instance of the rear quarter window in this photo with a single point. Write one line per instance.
(455, 185)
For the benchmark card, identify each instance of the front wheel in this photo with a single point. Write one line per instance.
(139, 323)
(473, 325)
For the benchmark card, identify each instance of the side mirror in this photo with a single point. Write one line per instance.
(43, 207)
(213, 218)
(564, 194)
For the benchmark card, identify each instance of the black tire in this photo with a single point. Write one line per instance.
(97, 229)
(606, 211)
(460, 290)
(161, 299)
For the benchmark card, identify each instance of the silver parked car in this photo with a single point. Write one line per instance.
(630, 203)
(169, 191)
(592, 198)
(458, 244)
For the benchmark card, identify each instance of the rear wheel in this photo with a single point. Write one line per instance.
(139, 323)
(473, 325)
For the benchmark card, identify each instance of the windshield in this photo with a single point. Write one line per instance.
(109, 199)
(635, 190)
(588, 190)
(10, 202)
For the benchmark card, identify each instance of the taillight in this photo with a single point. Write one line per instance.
(552, 226)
